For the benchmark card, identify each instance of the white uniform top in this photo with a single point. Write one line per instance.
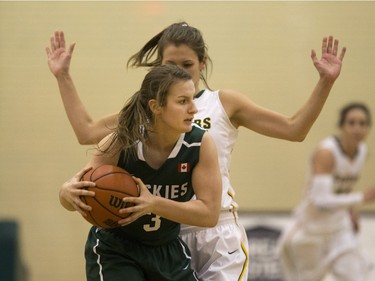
(218, 253)
(331, 213)
(212, 117)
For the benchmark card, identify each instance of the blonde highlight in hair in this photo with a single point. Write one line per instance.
(136, 119)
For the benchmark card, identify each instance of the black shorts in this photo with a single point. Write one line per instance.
(113, 258)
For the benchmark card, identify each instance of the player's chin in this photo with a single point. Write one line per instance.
(187, 126)
(358, 138)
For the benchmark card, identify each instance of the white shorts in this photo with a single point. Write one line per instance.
(309, 257)
(218, 253)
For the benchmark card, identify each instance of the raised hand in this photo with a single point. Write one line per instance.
(58, 56)
(329, 66)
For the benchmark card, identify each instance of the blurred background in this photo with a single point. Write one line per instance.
(259, 48)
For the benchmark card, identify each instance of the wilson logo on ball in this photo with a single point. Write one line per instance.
(112, 185)
(117, 202)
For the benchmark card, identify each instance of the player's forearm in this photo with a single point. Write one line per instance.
(341, 201)
(305, 117)
(322, 194)
(76, 112)
(193, 212)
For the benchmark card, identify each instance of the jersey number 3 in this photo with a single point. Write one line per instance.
(154, 226)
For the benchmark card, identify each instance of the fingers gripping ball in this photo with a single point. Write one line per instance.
(112, 184)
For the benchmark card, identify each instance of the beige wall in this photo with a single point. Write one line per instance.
(259, 48)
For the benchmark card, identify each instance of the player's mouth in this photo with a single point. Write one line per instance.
(189, 120)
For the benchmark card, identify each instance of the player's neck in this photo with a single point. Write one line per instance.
(348, 148)
(155, 158)
(162, 141)
(157, 149)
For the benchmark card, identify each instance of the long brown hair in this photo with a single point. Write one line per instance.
(175, 34)
(136, 118)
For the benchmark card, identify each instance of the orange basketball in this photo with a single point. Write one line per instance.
(112, 184)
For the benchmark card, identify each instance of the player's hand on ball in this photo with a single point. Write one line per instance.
(142, 205)
(72, 190)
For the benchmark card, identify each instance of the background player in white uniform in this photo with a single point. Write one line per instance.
(322, 237)
(219, 253)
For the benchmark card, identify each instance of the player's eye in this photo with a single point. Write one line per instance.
(187, 65)
(361, 123)
(169, 63)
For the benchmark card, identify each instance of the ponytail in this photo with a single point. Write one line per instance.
(176, 34)
(143, 57)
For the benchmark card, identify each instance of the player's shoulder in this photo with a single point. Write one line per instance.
(330, 143)
(323, 160)
(194, 138)
(328, 150)
(234, 100)
(227, 93)
(225, 96)
(363, 147)
(196, 133)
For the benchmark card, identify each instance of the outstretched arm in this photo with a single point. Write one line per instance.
(321, 191)
(243, 112)
(86, 129)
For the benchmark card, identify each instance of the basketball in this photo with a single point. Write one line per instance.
(112, 185)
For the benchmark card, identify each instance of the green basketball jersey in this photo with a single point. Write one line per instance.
(173, 180)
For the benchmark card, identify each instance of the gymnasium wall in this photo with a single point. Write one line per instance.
(259, 48)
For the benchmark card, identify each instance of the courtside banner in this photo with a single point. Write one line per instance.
(264, 264)
(264, 229)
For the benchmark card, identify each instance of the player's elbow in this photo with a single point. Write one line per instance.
(83, 141)
(295, 131)
(206, 219)
(83, 137)
(300, 138)
(296, 136)
(86, 139)
(213, 216)
(322, 204)
(212, 220)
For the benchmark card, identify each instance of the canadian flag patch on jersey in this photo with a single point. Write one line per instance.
(183, 167)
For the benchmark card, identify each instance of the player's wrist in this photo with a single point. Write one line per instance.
(63, 75)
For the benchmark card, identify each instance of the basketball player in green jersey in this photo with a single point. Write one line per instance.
(172, 160)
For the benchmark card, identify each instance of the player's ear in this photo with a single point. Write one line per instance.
(154, 106)
(202, 64)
